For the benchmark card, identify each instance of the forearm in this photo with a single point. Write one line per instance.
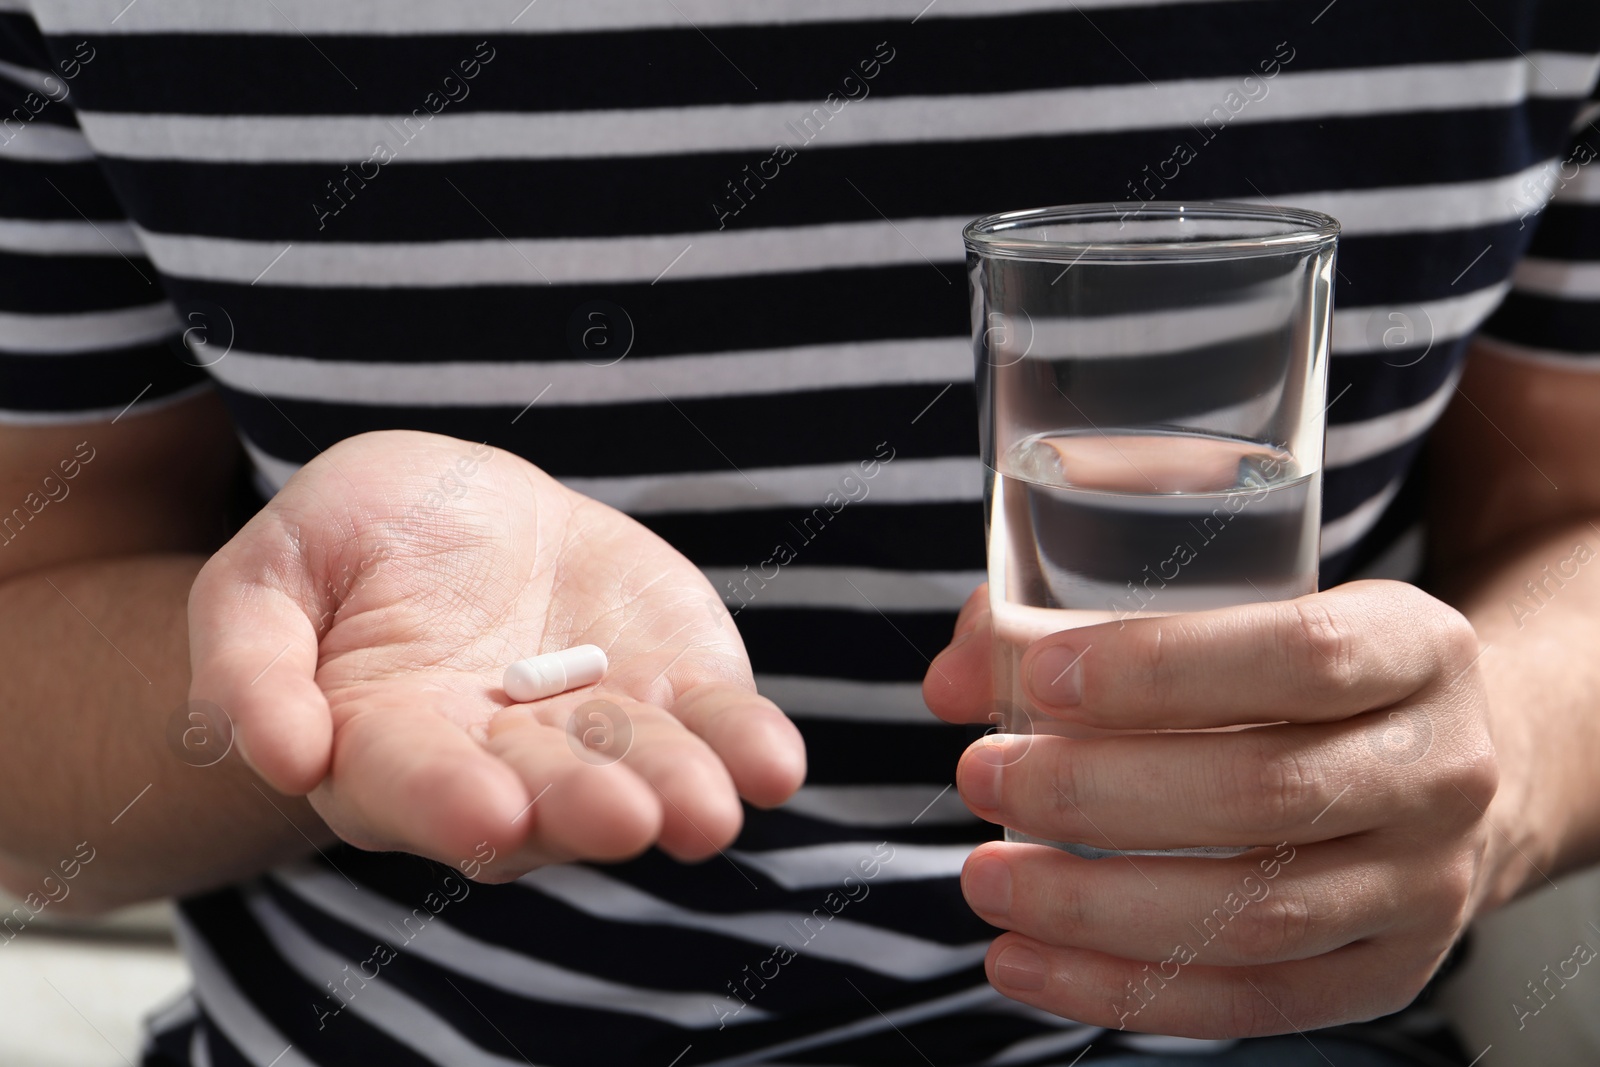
(1542, 670)
(96, 661)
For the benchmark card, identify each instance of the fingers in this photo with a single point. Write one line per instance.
(578, 808)
(958, 686)
(1245, 787)
(664, 782)
(757, 743)
(1315, 659)
(406, 777)
(1269, 906)
(1194, 999)
(700, 805)
(674, 779)
(253, 652)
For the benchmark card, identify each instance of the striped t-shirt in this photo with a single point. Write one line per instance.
(701, 260)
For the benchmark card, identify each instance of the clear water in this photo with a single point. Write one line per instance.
(1088, 527)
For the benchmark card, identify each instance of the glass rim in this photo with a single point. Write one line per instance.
(1303, 229)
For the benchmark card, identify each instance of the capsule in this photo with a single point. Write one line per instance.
(554, 673)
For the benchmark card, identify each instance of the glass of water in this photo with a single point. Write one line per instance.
(1151, 390)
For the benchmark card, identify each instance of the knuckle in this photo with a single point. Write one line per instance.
(1454, 887)
(1064, 912)
(1452, 630)
(1324, 645)
(1266, 787)
(1274, 929)
(1465, 768)
(1288, 786)
(1148, 662)
(1059, 784)
(1478, 776)
(1070, 795)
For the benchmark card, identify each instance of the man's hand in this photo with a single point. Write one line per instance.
(357, 628)
(1368, 789)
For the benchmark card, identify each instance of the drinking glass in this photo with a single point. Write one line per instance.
(1151, 397)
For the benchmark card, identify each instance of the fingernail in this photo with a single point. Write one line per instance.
(1020, 968)
(980, 781)
(1056, 677)
(987, 886)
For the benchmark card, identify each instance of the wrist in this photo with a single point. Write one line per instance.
(1520, 835)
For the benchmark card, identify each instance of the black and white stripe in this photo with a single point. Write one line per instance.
(190, 180)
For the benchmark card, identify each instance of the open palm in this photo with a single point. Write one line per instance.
(357, 628)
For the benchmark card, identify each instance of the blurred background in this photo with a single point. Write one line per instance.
(74, 993)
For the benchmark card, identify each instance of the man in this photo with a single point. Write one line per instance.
(700, 264)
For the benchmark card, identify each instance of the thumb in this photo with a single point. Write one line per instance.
(253, 652)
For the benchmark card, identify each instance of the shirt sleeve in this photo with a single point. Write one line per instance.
(86, 331)
(1552, 312)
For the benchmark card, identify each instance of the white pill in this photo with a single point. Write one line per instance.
(554, 672)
